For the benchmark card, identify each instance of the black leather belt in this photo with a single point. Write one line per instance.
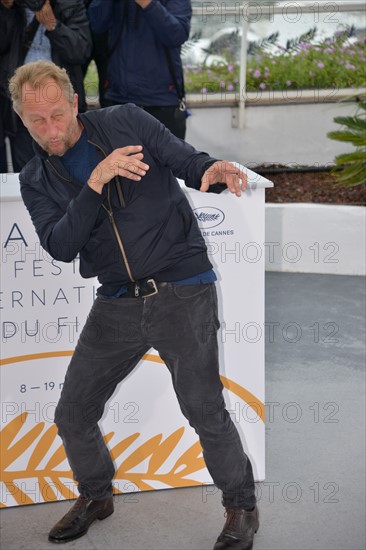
(143, 288)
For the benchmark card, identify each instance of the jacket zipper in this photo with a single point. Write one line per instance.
(56, 171)
(118, 237)
(109, 212)
(111, 217)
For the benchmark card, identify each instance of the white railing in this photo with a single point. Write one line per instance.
(248, 11)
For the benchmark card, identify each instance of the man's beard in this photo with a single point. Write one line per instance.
(63, 142)
(64, 145)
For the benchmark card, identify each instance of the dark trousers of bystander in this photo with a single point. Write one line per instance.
(21, 145)
(170, 115)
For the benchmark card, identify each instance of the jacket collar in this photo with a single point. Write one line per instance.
(54, 160)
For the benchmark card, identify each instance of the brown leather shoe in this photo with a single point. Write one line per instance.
(76, 522)
(239, 529)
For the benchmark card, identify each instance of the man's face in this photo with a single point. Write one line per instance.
(49, 117)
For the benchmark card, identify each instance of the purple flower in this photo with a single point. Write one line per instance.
(222, 84)
(320, 65)
(230, 68)
(230, 88)
(329, 50)
(204, 90)
(257, 73)
(352, 52)
(288, 82)
(209, 71)
(349, 66)
(262, 85)
(236, 80)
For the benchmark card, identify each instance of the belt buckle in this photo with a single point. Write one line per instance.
(155, 288)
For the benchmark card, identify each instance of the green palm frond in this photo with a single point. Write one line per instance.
(353, 123)
(352, 174)
(353, 165)
(340, 135)
(346, 158)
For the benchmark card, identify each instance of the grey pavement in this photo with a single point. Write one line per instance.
(314, 493)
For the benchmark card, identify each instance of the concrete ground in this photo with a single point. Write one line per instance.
(314, 493)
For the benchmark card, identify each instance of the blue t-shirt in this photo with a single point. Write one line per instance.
(81, 159)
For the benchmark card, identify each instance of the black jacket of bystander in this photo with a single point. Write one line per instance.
(70, 48)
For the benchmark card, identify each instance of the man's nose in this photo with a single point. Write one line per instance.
(51, 129)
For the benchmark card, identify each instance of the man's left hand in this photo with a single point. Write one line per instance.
(223, 171)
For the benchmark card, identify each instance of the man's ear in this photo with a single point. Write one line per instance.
(76, 103)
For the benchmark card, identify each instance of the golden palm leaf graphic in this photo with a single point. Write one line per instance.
(44, 465)
(156, 449)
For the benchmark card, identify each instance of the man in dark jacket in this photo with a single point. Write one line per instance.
(102, 184)
(145, 67)
(39, 29)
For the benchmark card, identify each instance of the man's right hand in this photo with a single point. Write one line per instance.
(7, 3)
(125, 162)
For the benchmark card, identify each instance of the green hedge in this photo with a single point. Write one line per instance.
(336, 62)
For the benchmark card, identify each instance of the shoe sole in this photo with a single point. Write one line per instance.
(79, 535)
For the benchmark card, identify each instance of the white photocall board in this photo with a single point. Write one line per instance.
(43, 306)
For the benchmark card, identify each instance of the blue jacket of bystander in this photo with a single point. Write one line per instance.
(138, 70)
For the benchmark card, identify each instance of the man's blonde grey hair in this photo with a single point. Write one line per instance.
(34, 74)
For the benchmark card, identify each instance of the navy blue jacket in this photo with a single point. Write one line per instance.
(154, 220)
(138, 70)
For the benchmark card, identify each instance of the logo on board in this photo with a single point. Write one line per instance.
(208, 216)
